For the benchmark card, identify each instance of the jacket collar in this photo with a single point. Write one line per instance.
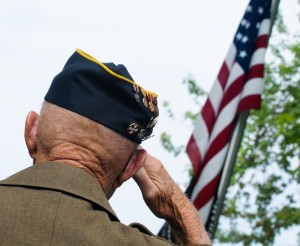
(64, 178)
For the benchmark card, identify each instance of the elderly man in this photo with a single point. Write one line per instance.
(84, 145)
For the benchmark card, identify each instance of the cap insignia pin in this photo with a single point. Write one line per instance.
(145, 102)
(141, 134)
(152, 122)
(137, 97)
(151, 106)
(133, 128)
(156, 111)
(136, 94)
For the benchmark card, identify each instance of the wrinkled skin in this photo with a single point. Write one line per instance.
(167, 201)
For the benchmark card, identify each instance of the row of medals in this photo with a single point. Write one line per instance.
(150, 103)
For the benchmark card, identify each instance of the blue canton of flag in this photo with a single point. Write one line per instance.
(247, 32)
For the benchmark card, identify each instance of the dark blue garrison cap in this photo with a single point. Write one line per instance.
(107, 94)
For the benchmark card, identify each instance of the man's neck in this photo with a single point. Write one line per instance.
(82, 158)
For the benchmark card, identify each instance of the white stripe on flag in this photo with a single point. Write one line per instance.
(205, 210)
(235, 73)
(264, 27)
(201, 134)
(225, 118)
(230, 56)
(212, 168)
(253, 87)
(258, 57)
(217, 96)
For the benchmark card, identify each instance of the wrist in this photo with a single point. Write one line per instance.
(186, 225)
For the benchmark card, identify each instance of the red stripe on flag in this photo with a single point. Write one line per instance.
(256, 71)
(217, 145)
(207, 192)
(234, 89)
(223, 75)
(194, 154)
(250, 102)
(208, 115)
(261, 42)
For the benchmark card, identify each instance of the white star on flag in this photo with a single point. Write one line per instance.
(243, 22)
(249, 8)
(257, 25)
(239, 36)
(243, 54)
(245, 39)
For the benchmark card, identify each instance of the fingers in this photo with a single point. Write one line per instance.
(143, 180)
(135, 162)
(150, 175)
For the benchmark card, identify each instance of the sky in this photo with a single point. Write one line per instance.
(161, 42)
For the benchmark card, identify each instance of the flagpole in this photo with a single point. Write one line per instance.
(233, 150)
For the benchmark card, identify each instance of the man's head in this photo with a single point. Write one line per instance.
(74, 127)
(107, 94)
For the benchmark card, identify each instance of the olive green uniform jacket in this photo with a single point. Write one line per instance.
(57, 204)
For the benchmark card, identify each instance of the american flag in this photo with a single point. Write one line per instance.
(238, 87)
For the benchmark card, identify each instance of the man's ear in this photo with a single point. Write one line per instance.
(30, 133)
(135, 163)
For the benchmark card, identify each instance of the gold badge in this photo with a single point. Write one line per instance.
(152, 122)
(145, 102)
(151, 106)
